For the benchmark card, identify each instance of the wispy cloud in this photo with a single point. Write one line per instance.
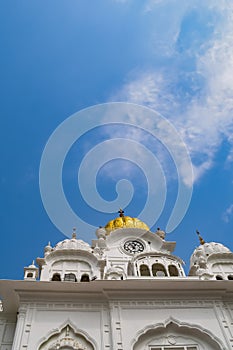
(193, 88)
(228, 214)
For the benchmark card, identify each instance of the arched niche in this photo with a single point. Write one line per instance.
(56, 277)
(66, 339)
(158, 270)
(173, 335)
(144, 270)
(173, 271)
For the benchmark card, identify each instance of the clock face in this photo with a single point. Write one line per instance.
(133, 247)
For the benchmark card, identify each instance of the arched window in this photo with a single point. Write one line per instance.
(173, 271)
(230, 277)
(29, 274)
(219, 278)
(144, 270)
(85, 278)
(56, 277)
(158, 270)
(70, 277)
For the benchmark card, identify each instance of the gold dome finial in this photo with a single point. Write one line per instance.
(74, 232)
(121, 213)
(160, 233)
(200, 238)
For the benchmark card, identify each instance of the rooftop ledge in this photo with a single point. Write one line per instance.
(12, 293)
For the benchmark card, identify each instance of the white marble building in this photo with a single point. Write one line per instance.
(126, 291)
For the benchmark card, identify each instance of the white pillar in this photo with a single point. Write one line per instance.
(19, 329)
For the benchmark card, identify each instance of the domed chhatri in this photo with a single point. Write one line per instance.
(125, 222)
(211, 261)
(205, 250)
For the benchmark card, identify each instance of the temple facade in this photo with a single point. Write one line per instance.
(125, 291)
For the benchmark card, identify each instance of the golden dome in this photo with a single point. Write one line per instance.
(125, 222)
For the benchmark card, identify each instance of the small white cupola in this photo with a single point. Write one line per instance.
(47, 249)
(160, 233)
(31, 272)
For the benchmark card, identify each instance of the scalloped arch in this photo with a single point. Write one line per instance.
(197, 331)
(58, 330)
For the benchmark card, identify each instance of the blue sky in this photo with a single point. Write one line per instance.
(59, 57)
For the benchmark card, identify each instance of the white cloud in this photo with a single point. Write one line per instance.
(148, 88)
(228, 214)
(203, 112)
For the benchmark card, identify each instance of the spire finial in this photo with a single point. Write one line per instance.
(160, 233)
(200, 238)
(121, 213)
(74, 232)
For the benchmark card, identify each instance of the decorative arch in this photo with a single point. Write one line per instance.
(67, 337)
(175, 333)
(29, 274)
(85, 278)
(158, 270)
(56, 277)
(173, 271)
(144, 270)
(115, 273)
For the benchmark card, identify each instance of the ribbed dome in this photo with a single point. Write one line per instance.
(74, 244)
(206, 250)
(125, 222)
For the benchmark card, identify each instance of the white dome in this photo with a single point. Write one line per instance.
(100, 232)
(205, 250)
(32, 266)
(74, 244)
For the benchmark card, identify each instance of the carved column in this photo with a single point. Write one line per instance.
(116, 326)
(19, 328)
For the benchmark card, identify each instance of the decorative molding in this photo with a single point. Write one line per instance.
(157, 254)
(87, 306)
(165, 303)
(74, 307)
